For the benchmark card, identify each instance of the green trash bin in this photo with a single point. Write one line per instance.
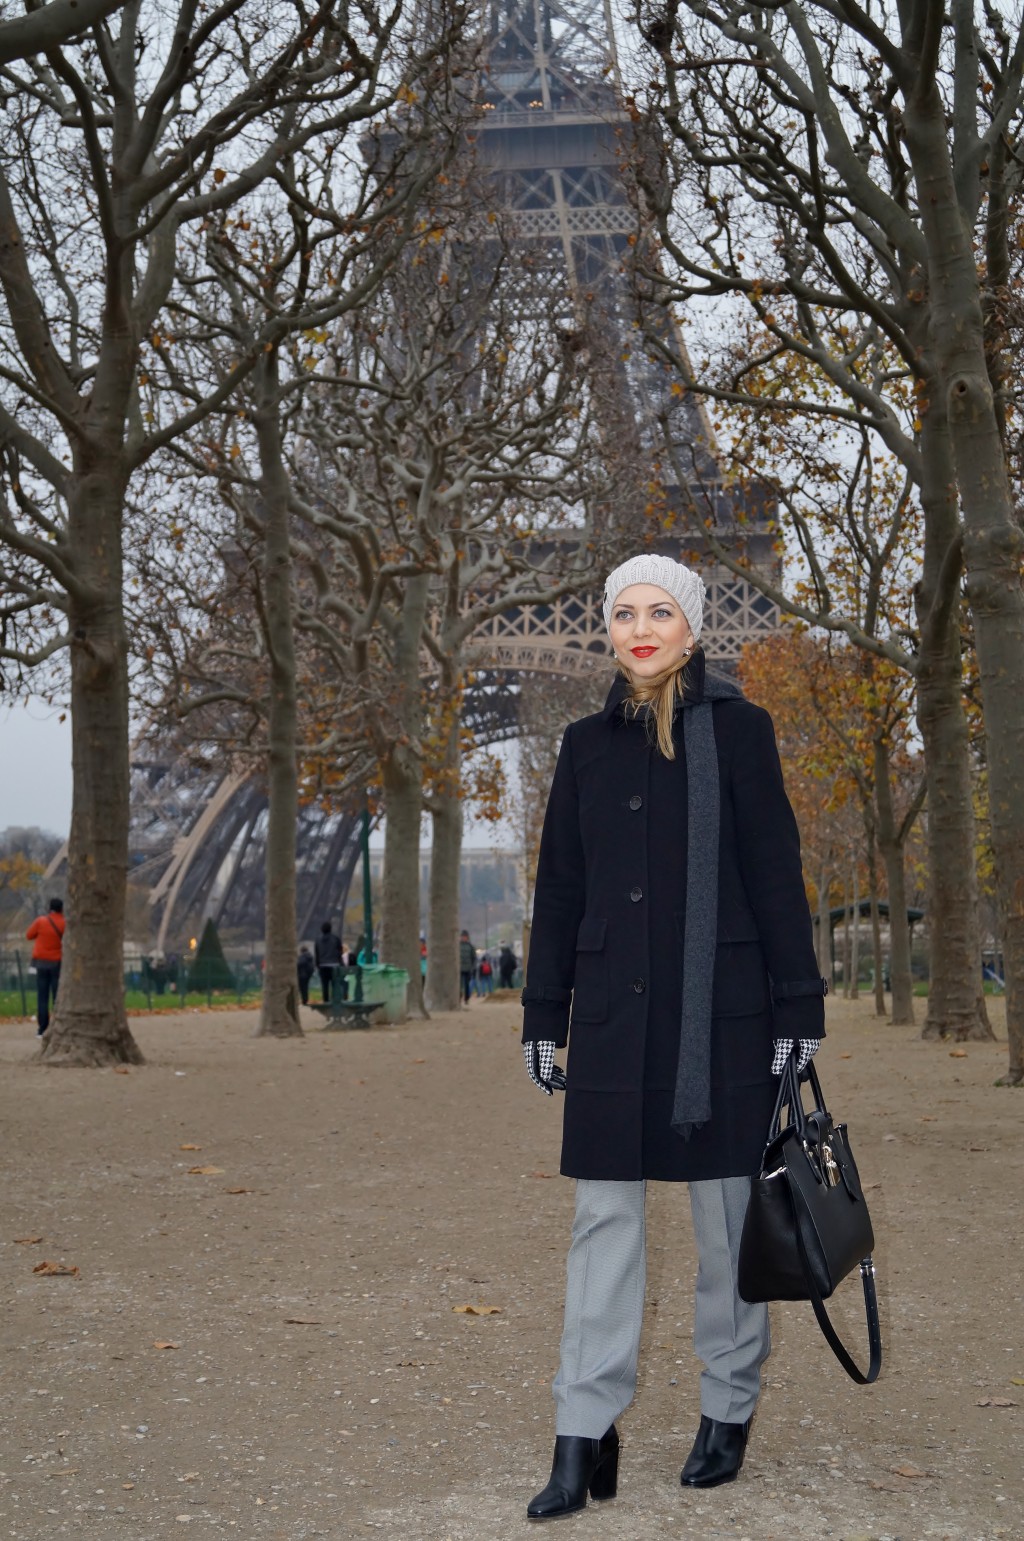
(391, 985)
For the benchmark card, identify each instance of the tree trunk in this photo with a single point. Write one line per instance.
(892, 854)
(279, 1014)
(876, 922)
(402, 775)
(953, 916)
(847, 950)
(446, 858)
(993, 541)
(855, 938)
(89, 1026)
(400, 922)
(443, 930)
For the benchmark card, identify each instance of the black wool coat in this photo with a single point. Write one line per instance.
(606, 946)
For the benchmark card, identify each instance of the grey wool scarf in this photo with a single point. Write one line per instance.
(692, 1105)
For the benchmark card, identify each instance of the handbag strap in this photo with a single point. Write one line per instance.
(832, 1338)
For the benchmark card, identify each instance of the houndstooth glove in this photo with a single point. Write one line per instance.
(784, 1048)
(540, 1062)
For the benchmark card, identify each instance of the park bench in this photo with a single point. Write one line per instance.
(354, 1012)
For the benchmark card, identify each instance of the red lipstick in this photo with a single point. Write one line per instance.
(642, 652)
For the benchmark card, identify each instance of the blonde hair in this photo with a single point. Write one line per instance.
(660, 695)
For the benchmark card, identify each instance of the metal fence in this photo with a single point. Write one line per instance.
(148, 984)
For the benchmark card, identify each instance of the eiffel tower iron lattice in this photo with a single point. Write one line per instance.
(555, 136)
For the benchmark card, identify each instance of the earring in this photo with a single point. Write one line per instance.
(687, 651)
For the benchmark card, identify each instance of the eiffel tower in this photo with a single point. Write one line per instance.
(557, 138)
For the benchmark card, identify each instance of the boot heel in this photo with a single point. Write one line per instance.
(605, 1481)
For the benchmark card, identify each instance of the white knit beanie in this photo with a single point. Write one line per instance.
(685, 586)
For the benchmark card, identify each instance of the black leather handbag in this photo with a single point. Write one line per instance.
(807, 1224)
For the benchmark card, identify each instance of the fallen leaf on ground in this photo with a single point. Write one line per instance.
(165, 1343)
(121, 1070)
(908, 1471)
(1015, 1382)
(127, 1486)
(239, 1190)
(303, 1321)
(51, 1270)
(543, 1174)
(977, 1147)
(27, 1241)
(958, 1053)
(928, 1118)
(417, 1062)
(846, 1056)
(478, 1310)
(205, 1171)
(190, 1147)
(996, 1402)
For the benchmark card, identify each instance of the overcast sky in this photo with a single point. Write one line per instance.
(35, 767)
(35, 778)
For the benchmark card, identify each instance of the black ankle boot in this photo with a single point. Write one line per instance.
(579, 1464)
(717, 1453)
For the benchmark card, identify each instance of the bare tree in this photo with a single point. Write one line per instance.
(842, 172)
(118, 150)
(450, 439)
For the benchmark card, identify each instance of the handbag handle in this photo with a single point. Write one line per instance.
(832, 1338)
(789, 1093)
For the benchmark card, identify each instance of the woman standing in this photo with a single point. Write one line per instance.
(671, 929)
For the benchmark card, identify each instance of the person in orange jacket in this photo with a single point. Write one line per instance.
(47, 935)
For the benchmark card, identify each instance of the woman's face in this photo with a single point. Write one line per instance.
(649, 632)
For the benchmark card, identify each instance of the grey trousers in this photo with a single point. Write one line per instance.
(604, 1303)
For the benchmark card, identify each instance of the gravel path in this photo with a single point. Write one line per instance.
(275, 1244)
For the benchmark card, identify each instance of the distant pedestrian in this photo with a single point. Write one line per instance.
(485, 975)
(506, 966)
(305, 969)
(328, 958)
(467, 966)
(46, 933)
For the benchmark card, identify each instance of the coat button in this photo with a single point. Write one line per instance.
(636, 894)
(635, 802)
(639, 985)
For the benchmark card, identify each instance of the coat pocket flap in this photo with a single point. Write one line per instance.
(590, 937)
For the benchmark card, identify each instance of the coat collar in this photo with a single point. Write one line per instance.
(694, 687)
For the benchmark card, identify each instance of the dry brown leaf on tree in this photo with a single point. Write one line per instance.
(478, 1310)
(205, 1171)
(55, 1270)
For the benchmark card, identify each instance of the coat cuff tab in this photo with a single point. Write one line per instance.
(536, 994)
(794, 987)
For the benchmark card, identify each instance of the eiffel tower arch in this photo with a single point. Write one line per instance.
(553, 132)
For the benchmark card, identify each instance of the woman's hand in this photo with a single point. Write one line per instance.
(784, 1048)
(540, 1062)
